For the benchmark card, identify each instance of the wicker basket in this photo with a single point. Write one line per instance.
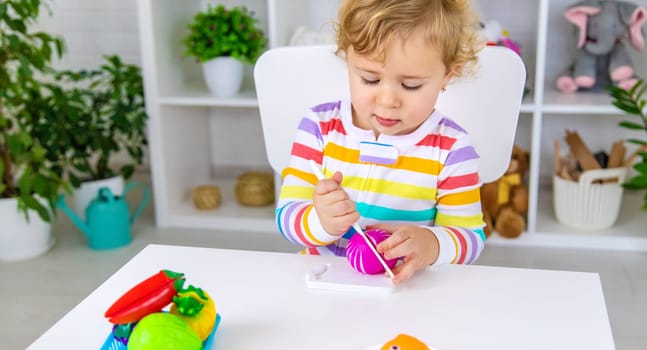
(206, 197)
(255, 189)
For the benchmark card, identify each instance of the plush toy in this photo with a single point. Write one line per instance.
(495, 35)
(605, 30)
(505, 201)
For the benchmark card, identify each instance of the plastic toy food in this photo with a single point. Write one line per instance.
(360, 256)
(404, 342)
(150, 295)
(163, 330)
(142, 320)
(196, 308)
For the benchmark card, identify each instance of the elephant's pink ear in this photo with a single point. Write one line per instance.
(579, 15)
(638, 18)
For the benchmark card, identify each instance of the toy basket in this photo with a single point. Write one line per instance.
(588, 205)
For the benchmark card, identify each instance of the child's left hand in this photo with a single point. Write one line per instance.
(417, 245)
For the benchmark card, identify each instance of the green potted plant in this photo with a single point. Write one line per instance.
(110, 123)
(30, 177)
(632, 102)
(223, 39)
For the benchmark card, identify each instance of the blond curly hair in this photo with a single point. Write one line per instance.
(369, 25)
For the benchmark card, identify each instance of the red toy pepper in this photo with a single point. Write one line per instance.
(150, 295)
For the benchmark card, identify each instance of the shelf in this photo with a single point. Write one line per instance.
(232, 219)
(573, 241)
(628, 233)
(243, 100)
(195, 136)
(578, 103)
(230, 215)
(528, 106)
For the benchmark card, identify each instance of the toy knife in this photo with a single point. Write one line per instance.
(317, 171)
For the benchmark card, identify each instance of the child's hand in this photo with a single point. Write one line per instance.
(417, 245)
(333, 205)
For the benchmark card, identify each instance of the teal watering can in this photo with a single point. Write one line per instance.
(108, 217)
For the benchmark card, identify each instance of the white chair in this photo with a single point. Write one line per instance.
(289, 80)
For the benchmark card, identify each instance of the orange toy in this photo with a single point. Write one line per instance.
(404, 342)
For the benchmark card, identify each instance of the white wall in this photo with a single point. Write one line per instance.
(93, 28)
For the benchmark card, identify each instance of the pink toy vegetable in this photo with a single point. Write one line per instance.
(361, 257)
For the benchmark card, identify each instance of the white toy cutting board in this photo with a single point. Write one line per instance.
(339, 276)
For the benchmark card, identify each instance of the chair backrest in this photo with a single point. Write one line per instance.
(289, 80)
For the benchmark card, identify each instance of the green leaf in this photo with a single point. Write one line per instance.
(629, 108)
(639, 89)
(33, 204)
(127, 171)
(40, 185)
(19, 8)
(74, 180)
(637, 142)
(631, 125)
(636, 183)
(641, 167)
(635, 87)
(17, 26)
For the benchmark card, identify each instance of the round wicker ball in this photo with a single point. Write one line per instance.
(206, 197)
(255, 189)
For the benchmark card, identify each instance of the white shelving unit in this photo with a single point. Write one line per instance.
(197, 139)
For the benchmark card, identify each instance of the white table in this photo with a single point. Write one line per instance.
(265, 304)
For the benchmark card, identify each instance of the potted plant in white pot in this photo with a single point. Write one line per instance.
(108, 136)
(633, 102)
(30, 178)
(223, 40)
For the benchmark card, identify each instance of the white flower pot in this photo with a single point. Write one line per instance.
(224, 76)
(19, 239)
(89, 190)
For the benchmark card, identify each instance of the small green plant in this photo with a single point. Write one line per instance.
(219, 31)
(108, 118)
(27, 172)
(632, 102)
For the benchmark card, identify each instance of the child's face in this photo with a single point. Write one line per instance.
(395, 96)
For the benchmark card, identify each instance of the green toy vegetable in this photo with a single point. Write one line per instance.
(163, 331)
(195, 307)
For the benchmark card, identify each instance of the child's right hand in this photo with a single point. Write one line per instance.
(333, 205)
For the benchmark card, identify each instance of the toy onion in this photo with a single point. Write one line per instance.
(361, 257)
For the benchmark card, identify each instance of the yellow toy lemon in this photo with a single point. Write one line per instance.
(197, 309)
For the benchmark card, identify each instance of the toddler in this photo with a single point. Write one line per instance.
(391, 160)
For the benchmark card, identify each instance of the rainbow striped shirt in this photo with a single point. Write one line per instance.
(427, 178)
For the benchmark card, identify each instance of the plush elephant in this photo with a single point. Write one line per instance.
(606, 28)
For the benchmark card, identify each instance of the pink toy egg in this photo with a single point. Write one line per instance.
(360, 256)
